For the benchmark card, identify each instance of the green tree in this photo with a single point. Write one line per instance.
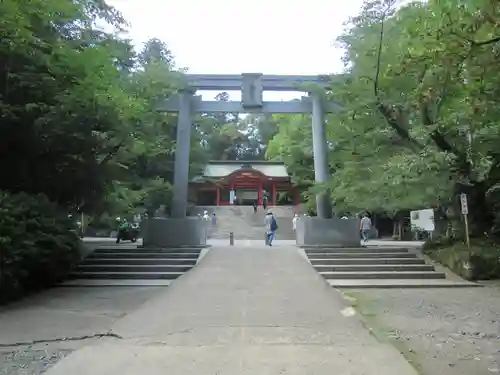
(420, 107)
(61, 99)
(144, 164)
(156, 51)
(420, 111)
(65, 115)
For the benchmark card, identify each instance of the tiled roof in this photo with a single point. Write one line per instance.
(221, 169)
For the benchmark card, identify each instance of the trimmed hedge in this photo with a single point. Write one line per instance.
(37, 246)
(480, 262)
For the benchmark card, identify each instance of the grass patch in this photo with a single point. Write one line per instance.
(480, 262)
(366, 306)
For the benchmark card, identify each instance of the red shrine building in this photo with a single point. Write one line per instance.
(242, 183)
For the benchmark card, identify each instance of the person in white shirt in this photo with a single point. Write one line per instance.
(294, 221)
(205, 215)
(365, 226)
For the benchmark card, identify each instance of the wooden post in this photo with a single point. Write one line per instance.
(465, 212)
(217, 199)
(467, 238)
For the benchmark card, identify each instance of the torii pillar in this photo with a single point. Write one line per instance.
(320, 153)
(178, 230)
(324, 230)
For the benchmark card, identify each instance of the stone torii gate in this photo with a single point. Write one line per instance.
(183, 230)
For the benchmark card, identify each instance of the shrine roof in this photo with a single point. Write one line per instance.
(223, 168)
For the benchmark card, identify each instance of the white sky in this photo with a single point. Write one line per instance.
(244, 36)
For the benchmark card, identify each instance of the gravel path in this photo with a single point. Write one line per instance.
(30, 361)
(441, 331)
(39, 331)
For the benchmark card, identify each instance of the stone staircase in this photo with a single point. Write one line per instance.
(245, 224)
(130, 265)
(377, 267)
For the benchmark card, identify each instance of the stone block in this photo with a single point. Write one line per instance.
(334, 232)
(170, 232)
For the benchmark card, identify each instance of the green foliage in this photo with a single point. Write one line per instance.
(418, 85)
(61, 98)
(293, 145)
(228, 136)
(78, 107)
(156, 193)
(79, 112)
(80, 130)
(480, 262)
(420, 111)
(37, 248)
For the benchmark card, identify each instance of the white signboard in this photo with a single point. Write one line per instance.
(423, 219)
(463, 203)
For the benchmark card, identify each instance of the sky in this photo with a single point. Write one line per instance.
(244, 36)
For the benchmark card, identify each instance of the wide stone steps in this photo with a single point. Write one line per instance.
(341, 254)
(127, 265)
(245, 224)
(373, 268)
(134, 268)
(365, 261)
(141, 261)
(127, 275)
(249, 232)
(148, 250)
(380, 267)
(356, 250)
(142, 255)
(383, 275)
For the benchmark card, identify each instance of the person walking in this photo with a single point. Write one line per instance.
(255, 205)
(294, 221)
(365, 226)
(123, 227)
(271, 227)
(205, 215)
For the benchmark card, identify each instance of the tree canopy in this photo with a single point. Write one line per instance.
(78, 109)
(420, 118)
(80, 131)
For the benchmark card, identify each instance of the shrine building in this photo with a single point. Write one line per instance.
(239, 182)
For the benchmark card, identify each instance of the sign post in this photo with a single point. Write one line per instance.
(465, 212)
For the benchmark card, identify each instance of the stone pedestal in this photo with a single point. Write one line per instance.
(173, 232)
(334, 232)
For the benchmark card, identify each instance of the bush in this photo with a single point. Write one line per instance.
(37, 246)
(480, 262)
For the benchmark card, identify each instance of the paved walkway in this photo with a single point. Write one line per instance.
(241, 311)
